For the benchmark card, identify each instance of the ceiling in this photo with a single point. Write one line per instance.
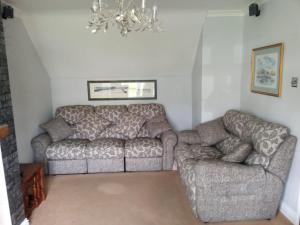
(42, 5)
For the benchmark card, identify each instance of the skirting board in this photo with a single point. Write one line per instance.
(25, 222)
(290, 214)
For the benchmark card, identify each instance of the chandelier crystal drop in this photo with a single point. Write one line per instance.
(127, 17)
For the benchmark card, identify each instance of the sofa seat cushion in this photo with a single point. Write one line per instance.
(67, 150)
(143, 148)
(105, 148)
(196, 152)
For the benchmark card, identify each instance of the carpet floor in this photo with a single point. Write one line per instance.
(152, 198)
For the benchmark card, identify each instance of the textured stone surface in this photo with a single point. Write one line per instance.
(8, 145)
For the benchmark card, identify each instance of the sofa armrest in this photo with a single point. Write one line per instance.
(39, 145)
(169, 140)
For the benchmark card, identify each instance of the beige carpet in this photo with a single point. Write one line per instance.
(120, 199)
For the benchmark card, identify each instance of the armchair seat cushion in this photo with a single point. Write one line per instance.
(197, 152)
(143, 148)
(105, 148)
(67, 150)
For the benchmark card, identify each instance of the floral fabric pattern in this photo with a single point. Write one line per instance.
(74, 113)
(144, 132)
(235, 121)
(268, 136)
(229, 144)
(148, 111)
(111, 113)
(67, 150)
(143, 147)
(107, 148)
(110, 132)
(258, 159)
(90, 127)
(129, 125)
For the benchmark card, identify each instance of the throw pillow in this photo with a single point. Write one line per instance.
(157, 126)
(189, 137)
(239, 154)
(211, 132)
(257, 159)
(57, 128)
(90, 126)
(229, 144)
(268, 136)
(129, 125)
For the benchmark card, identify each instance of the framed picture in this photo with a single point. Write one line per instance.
(122, 90)
(267, 63)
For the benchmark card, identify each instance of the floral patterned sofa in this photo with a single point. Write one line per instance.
(235, 167)
(107, 138)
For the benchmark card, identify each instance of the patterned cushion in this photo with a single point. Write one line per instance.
(258, 159)
(111, 112)
(227, 146)
(106, 148)
(129, 125)
(110, 132)
(249, 129)
(235, 121)
(143, 148)
(58, 129)
(148, 111)
(211, 132)
(203, 153)
(239, 154)
(74, 113)
(67, 150)
(90, 127)
(268, 136)
(189, 136)
(144, 132)
(157, 125)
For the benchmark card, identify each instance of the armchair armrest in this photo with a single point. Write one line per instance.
(169, 140)
(39, 145)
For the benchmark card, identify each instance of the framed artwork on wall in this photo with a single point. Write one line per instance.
(267, 64)
(122, 90)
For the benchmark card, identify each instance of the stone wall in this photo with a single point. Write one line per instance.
(8, 145)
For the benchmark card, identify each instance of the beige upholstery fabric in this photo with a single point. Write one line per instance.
(58, 129)
(73, 113)
(107, 148)
(143, 147)
(211, 132)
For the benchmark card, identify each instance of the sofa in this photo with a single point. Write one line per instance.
(224, 185)
(106, 138)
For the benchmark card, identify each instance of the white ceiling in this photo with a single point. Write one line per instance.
(42, 5)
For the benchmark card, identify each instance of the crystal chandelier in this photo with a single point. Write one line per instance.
(126, 17)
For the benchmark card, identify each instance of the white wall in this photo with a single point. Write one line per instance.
(197, 85)
(222, 65)
(30, 87)
(279, 22)
(72, 55)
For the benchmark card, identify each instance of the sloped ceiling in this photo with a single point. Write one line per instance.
(67, 49)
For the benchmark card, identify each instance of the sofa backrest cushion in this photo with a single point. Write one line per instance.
(74, 113)
(148, 111)
(235, 121)
(111, 112)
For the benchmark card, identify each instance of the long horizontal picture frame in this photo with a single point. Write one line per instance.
(122, 90)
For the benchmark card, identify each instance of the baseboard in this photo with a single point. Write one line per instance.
(25, 222)
(290, 214)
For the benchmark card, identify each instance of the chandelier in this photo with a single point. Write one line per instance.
(127, 17)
